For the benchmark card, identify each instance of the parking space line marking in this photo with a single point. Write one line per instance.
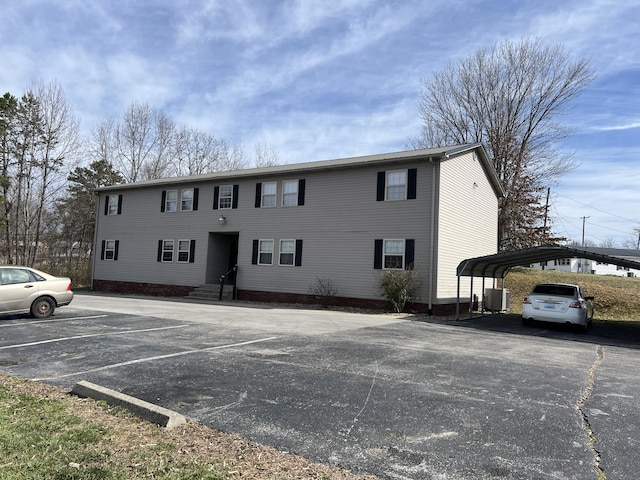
(76, 337)
(158, 357)
(35, 322)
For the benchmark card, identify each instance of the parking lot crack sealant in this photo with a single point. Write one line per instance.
(591, 380)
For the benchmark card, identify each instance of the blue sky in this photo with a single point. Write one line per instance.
(319, 80)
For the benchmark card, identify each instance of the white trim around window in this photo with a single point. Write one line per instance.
(396, 185)
(268, 195)
(167, 250)
(186, 200)
(184, 251)
(393, 254)
(225, 197)
(287, 253)
(265, 252)
(290, 193)
(171, 201)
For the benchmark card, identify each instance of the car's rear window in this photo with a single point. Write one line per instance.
(562, 290)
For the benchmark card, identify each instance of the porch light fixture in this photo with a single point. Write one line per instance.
(222, 219)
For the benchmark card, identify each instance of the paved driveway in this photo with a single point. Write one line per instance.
(400, 398)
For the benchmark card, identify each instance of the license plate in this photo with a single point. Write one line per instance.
(550, 307)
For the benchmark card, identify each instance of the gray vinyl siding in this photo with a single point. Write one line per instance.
(468, 222)
(338, 226)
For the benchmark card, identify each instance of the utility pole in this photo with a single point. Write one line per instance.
(584, 220)
(637, 230)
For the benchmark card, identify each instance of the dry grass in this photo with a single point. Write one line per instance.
(616, 298)
(121, 446)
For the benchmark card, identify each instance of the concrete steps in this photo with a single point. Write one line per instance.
(211, 292)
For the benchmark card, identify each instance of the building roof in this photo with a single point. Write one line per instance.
(498, 265)
(428, 154)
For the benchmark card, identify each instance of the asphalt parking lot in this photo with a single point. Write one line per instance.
(398, 397)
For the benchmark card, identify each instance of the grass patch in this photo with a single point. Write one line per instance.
(47, 434)
(616, 298)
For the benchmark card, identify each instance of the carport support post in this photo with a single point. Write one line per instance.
(458, 301)
(471, 300)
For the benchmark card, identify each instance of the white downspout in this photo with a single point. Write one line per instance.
(432, 246)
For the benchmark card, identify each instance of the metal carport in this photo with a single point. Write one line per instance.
(499, 264)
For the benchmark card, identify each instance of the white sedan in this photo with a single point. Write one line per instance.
(26, 290)
(558, 303)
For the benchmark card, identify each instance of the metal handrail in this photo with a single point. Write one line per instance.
(234, 270)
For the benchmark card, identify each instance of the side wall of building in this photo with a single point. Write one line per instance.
(468, 223)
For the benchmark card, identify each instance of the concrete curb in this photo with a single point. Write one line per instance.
(148, 411)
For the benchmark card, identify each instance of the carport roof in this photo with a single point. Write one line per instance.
(498, 265)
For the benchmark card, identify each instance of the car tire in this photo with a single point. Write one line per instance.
(43, 307)
(526, 321)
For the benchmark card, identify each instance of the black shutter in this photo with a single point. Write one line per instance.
(216, 194)
(298, 260)
(301, 186)
(258, 194)
(159, 250)
(106, 205)
(164, 200)
(254, 255)
(196, 194)
(102, 252)
(236, 189)
(381, 185)
(192, 251)
(409, 253)
(119, 204)
(115, 251)
(412, 178)
(377, 257)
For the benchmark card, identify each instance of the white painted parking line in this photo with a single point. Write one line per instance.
(76, 337)
(151, 359)
(52, 320)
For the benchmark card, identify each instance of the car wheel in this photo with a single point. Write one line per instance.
(42, 307)
(526, 321)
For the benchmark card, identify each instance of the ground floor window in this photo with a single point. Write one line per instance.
(109, 250)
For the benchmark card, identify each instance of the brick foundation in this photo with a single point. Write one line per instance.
(160, 290)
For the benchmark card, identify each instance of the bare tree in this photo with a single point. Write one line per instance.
(265, 156)
(41, 136)
(510, 99)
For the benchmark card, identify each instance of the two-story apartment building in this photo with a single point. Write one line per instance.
(287, 226)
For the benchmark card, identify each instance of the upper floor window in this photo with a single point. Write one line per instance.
(225, 197)
(113, 205)
(170, 201)
(268, 194)
(397, 185)
(290, 192)
(186, 199)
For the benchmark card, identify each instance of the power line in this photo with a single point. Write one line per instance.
(598, 209)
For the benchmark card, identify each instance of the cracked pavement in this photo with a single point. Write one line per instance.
(403, 399)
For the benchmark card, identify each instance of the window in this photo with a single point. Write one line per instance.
(11, 276)
(186, 199)
(184, 250)
(167, 250)
(262, 252)
(287, 252)
(394, 254)
(268, 194)
(170, 201)
(113, 205)
(225, 197)
(109, 250)
(397, 185)
(290, 193)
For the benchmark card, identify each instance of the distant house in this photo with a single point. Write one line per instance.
(581, 265)
(285, 227)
